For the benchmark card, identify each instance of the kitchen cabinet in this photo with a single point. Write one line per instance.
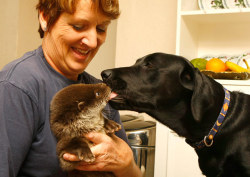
(201, 33)
(211, 32)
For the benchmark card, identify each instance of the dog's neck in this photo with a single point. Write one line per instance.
(193, 131)
(208, 139)
(174, 116)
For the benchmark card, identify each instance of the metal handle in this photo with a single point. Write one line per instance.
(143, 147)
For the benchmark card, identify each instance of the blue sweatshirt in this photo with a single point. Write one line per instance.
(27, 145)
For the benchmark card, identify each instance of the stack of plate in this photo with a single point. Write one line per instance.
(247, 3)
(238, 59)
(241, 58)
(221, 4)
(210, 4)
(231, 4)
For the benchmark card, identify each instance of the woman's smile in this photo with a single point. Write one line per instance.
(80, 54)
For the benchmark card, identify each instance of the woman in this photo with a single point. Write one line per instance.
(72, 32)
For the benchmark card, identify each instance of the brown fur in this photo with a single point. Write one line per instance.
(75, 111)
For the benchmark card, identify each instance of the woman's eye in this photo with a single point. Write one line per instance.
(101, 29)
(77, 27)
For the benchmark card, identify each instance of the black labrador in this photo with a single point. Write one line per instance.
(213, 120)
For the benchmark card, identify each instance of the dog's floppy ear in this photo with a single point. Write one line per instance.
(203, 96)
(198, 84)
(198, 102)
(187, 77)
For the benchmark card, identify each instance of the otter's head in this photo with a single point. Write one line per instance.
(76, 99)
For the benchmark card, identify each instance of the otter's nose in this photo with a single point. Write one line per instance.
(106, 74)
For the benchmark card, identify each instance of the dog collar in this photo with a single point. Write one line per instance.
(208, 140)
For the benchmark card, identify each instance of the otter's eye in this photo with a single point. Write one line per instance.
(97, 94)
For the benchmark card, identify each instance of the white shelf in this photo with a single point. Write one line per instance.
(215, 11)
(218, 16)
(234, 82)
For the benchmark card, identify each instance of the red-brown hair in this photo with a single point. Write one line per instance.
(52, 9)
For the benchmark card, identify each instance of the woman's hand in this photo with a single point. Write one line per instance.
(111, 153)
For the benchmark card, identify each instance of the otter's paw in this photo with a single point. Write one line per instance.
(111, 126)
(85, 154)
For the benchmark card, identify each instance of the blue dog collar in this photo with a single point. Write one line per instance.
(208, 140)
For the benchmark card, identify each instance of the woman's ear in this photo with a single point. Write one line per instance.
(43, 21)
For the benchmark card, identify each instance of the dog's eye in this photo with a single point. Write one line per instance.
(148, 65)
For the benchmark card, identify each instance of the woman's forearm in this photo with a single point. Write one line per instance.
(132, 171)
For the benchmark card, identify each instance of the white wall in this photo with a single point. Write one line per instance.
(8, 30)
(147, 26)
(18, 32)
(105, 58)
(28, 36)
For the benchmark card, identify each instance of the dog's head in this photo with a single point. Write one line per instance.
(159, 83)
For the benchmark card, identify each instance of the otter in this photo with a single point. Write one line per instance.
(74, 111)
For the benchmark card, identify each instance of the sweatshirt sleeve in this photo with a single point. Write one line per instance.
(16, 128)
(121, 133)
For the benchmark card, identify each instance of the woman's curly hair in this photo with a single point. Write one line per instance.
(52, 9)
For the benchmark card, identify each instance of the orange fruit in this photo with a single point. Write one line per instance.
(216, 65)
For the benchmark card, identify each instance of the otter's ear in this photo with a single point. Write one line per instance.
(80, 105)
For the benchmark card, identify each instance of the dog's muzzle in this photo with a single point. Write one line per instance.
(106, 74)
(111, 78)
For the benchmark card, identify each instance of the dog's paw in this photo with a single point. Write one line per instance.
(111, 126)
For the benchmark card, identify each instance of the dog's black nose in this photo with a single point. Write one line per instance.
(106, 74)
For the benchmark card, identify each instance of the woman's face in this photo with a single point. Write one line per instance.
(74, 39)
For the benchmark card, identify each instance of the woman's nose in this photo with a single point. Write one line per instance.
(90, 39)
